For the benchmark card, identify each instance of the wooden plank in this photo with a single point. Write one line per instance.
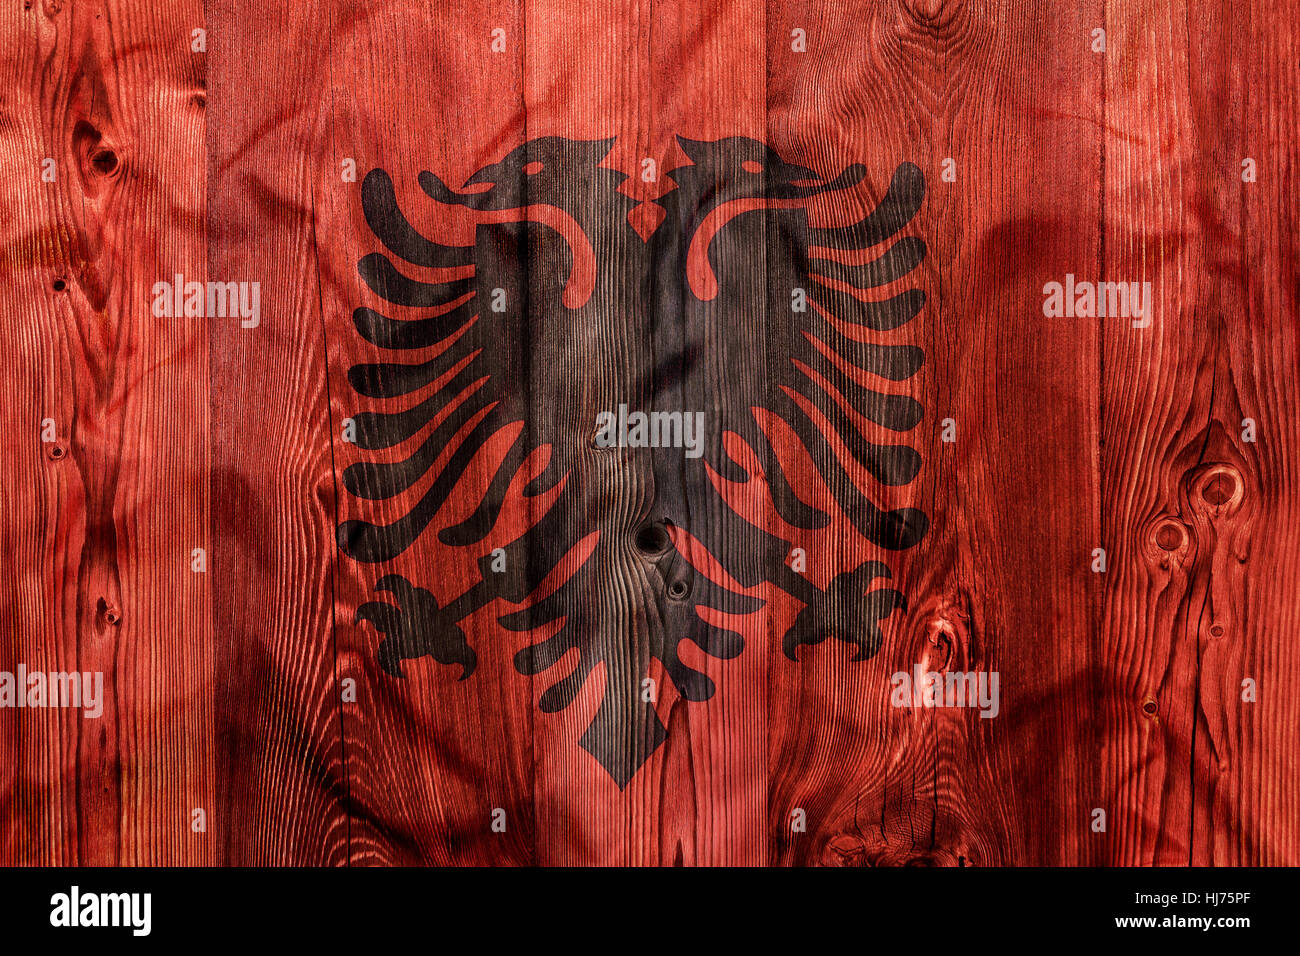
(1255, 821)
(997, 584)
(673, 780)
(1190, 611)
(432, 753)
(102, 520)
(283, 788)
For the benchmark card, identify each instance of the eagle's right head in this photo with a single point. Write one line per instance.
(738, 167)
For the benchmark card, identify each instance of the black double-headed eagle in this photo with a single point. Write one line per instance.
(787, 338)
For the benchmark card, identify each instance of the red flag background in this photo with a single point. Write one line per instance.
(227, 736)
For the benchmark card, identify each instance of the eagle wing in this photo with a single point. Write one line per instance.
(808, 330)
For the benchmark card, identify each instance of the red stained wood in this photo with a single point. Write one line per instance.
(100, 524)
(1120, 691)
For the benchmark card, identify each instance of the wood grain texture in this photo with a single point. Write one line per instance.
(277, 718)
(1197, 516)
(253, 690)
(404, 808)
(102, 521)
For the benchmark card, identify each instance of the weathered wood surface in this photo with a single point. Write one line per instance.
(1120, 691)
(100, 523)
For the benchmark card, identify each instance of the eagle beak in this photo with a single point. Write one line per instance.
(801, 174)
(437, 190)
(487, 174)
(803, 183)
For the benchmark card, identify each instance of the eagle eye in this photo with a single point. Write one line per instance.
(533, 168)
(750, 166)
